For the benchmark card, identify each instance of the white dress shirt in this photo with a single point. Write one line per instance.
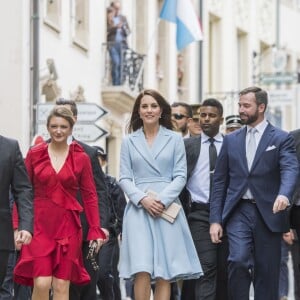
(199, 183)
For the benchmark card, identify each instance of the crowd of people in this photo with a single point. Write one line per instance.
(207, 213)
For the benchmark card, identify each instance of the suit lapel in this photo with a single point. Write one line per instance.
(264, 142)
(193, 146)
(241, 136)
(161, 140)
(138, 141)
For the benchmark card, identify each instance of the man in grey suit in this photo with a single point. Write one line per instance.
(200, 167)
(13, 176)
(254, 180)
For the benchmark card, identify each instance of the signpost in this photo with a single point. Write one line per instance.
(87, 112)
(284, 96)
(278, 78)
(85, 128)
(81, 131)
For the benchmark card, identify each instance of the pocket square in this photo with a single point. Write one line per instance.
(271, 148)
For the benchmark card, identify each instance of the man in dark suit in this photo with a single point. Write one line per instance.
(89, 291)
(13, 176)
(200, 167)
(254, 180)
(295, 209)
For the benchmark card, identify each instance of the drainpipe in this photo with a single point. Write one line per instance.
(34, 64)
(200, 90)
(277, 24)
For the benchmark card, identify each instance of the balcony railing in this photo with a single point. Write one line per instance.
(132, 64)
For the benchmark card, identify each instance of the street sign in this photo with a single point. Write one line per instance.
(87, 132)
(90, 112)
(278, 78)
(284, 96)
(87, 112)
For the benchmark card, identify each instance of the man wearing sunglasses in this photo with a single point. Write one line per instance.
(194, 123)
(181, 114)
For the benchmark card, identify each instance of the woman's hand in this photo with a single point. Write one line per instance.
(153, 206)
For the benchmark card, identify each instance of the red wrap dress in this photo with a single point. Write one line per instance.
(55, 249)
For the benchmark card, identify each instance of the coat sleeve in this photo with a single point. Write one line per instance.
(178, 174)
(126, 181)
(220, 183)
(90, 201)
(21, 189)
(289, 167)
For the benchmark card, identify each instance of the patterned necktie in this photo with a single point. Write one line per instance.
(251, 147)
(212, 162)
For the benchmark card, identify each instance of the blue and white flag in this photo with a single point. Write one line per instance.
(182, 13)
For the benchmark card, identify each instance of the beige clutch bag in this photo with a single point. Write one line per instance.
(170, 213)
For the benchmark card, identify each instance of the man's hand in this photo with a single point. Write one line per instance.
(22, 237)
(281, 203)
(216, 233)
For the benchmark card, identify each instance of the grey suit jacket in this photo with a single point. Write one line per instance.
(13, 175)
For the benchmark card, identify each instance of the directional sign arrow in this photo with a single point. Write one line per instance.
(87, 112)
(88, 132)
(90, 112)
(82, 131)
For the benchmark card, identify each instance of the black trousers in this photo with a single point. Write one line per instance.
(108, 280)
(4, 254)
(213, 259)
(88, 291)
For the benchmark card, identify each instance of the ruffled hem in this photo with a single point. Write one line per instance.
(24, 273)
(95, 233)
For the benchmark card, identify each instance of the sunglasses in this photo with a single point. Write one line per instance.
(179, 116)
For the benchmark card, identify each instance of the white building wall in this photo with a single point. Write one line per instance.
(15, 71)
(75, 66)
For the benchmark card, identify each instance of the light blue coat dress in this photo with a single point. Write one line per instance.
(154, 245)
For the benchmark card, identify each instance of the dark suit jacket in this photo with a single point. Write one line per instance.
(274, 172)
(192, 150)
(13, 175)
(295, 210)
(103, 201)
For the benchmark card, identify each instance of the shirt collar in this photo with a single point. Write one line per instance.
(259, 127)
(218, 137)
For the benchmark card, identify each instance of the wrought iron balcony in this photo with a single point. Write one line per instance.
(131, 68)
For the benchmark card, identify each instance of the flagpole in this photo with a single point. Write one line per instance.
(146, 55)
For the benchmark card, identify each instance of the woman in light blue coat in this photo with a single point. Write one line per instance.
(153, 158)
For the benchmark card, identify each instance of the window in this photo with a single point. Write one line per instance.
(53, 14)
(80, 17)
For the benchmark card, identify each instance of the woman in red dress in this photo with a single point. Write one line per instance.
(58, 171)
